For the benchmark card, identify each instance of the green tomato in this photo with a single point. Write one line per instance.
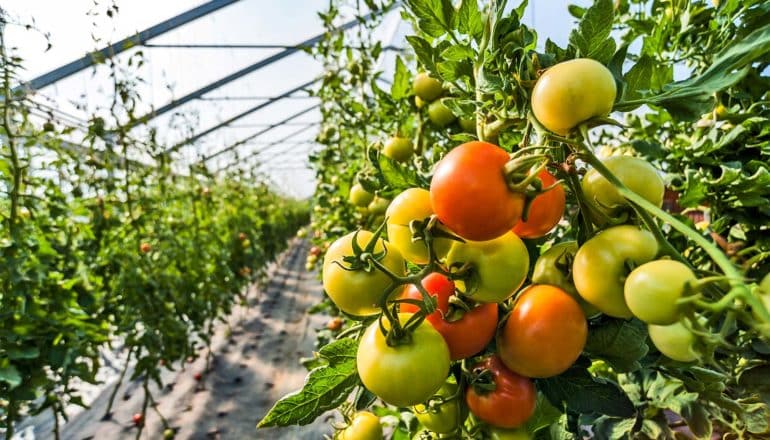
(675, 341)
(572, 92)
(426, 88)
(358, 292)
(652, 290)
(509, 434)
(554, 267)
(448, 416)
(398, 148)
(363, 426)
(439, 114)
(499, 266)
(378, 206)
(468, 125)
(635, 173)
(405, 374)
(598, 270)
(412, 204)
(359, 196)
(169, 434)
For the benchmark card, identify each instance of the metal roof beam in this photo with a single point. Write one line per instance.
(245, 71)
(259, 133)
(127, 43)
(246, 112)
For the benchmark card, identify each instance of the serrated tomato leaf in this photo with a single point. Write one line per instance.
(325, 388)
(619, 342)
(578, 391)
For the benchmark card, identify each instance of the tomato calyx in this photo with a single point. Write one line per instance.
(366, 258)
(482, 380)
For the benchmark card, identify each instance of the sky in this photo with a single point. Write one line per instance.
(171, 73)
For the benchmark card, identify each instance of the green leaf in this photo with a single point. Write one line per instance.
(687, 99)
(398, 177)
(592, 37)
(468, 19)
(423, 50)
(434, 17)
(619, 342)
(576, 11)
(11, 376)
(458, 53)
(580, 392)
(23, 353)
(325, 388)
(545, 414)
(401, 85)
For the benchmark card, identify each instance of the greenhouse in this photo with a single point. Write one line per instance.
(380, 219)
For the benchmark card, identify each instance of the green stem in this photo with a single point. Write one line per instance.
(15, 189)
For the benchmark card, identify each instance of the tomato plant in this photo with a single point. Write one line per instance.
(446, 415)
(470, 195)
(398, 148)
(466, 332)
(542, 316)
(554, 267)
(426, 88)
(508, 400)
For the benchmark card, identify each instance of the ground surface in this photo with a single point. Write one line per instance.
(251, 369)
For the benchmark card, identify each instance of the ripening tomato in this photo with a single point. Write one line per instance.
(405, 374)
(512, 401)
(599, 268)
(470, 195)
(499, 267)
(412, 204)
(426, 88)
(398, 148)
(653, 289)
(468, 125)
(466, 333)
(554, 267)
(675, 341)
(545, 210)
(358, 292)
(446, 417)
(572, 92)
(363, 426)
(543, 316)
(359, 196)
(636, 174)
(439, 114)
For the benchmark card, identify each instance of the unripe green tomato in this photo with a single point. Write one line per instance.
(364, 426)
(358, 292)
(448, 416)
(398, 148)
(405, 374)
(427, 88)
(509, 434)
(359, 196)
(412, 204)
(439, 114)
(598, 270)
(653, 289)
(378, 206)
(634, 173)
(168, 434)
(675, 341)
(554, 267)
(572, 92)
(468, 125)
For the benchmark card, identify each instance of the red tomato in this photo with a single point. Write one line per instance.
(465, 336)
(545, 211)
(545, 332)
(470, 195)
(512, 401)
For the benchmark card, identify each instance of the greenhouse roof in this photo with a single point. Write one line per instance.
(224, 82)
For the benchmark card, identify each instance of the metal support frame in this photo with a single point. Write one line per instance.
(124, 44)
(245, 71)
(269, 146)
(240, 115)
(259, 133)
(225, 46)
